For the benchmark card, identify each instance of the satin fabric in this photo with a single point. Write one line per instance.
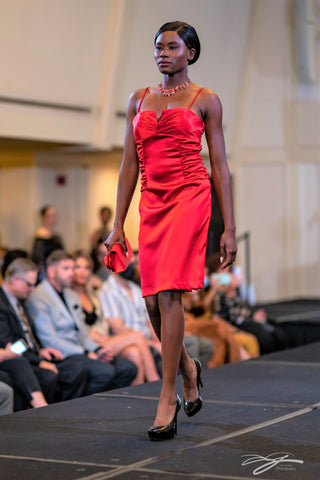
(175, 203)
(116, 259)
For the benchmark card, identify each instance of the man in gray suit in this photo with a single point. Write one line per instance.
(57, 314)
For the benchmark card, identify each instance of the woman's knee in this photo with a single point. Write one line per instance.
(170, 298)
(137, 338)
(152, 305)
(133, 353)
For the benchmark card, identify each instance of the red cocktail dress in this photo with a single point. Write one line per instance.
(175, 204)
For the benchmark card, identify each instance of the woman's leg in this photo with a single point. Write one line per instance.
(49, 384)
(172, 332)
(132, 353)
(186, 364)
(136, 340)
(150, 369)
(152, 305)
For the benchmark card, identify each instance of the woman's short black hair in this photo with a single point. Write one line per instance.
(44, 210)
(186, 32)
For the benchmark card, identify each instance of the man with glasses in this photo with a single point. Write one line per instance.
(40, 374)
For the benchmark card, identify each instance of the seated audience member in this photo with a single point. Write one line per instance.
(130, 345)
(17, 372)
(230, 345)
(18, 401)
(133, 271)
(11, 255)
(98, 250)
(100, 234)
(101, 273)
(123, 305)
(57, 314)
(49, 371)
(46, 240)
(223, 292)
(6, 398)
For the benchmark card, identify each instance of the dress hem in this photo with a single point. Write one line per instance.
(185, 288)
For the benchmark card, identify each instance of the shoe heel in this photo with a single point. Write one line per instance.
(166, 432)
(198, 367)
(191, 408)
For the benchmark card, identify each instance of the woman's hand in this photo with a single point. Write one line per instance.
(105, 354)
(116, 236)
(48, 366)
(228, 248)
(7, 354)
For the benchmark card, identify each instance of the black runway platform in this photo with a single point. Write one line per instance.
(261, 419)
(299, 319)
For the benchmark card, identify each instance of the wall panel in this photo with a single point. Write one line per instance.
(222, 28)
(309, 215)
(17, 190)
(261, 193)
(52, 51)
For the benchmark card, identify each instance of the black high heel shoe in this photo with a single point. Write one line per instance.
(166, 432)
(191, 408)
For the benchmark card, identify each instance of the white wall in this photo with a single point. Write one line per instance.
(17, 199)
(52, 52)
(222, 27)
(93, 54)
(276, 160)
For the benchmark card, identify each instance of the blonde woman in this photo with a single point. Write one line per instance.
(130, 345)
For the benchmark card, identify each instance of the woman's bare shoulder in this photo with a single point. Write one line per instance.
(137, 94)
(134, 99)
(210, 102)
(210, 96)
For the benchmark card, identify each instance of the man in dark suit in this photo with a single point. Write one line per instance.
(39, 370)
(58, 319)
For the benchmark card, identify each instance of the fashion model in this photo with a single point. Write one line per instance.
(165, 124)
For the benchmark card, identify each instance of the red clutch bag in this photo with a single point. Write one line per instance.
(116, 259)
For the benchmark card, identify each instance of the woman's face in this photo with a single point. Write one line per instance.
(171, 53)
(82, 272)
(50, 217)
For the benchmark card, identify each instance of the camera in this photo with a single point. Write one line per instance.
(222, 279)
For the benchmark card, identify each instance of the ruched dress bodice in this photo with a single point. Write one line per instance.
(169, 148)
(175, 203)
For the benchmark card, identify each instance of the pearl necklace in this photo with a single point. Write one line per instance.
(172, 91)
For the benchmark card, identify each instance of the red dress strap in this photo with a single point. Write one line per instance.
(194, 98)
(144, 94)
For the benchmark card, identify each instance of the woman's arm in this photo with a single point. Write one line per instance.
(220, 175)
(127, 178)
(98, 337)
